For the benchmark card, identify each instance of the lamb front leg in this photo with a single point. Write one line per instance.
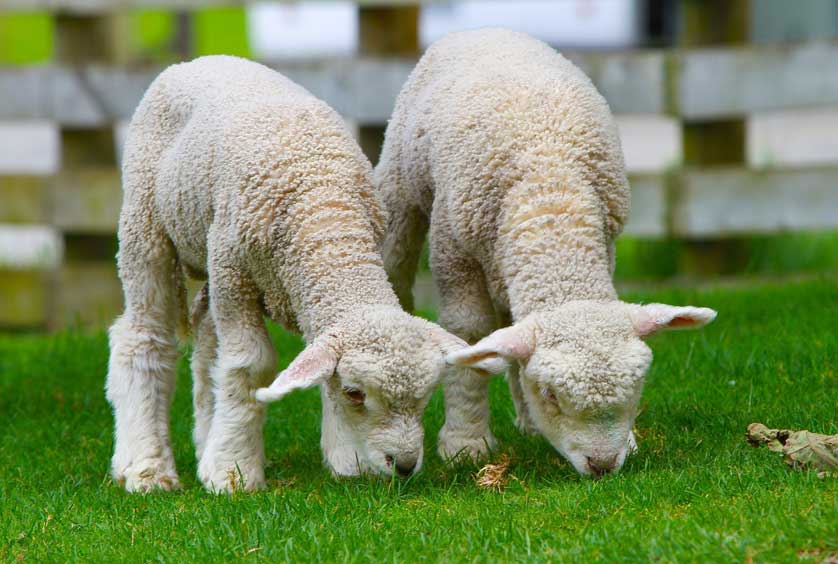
(465, 310)
(233, 457)
(466, 432)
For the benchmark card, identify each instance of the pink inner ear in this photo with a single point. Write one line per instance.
(483, 355)
(681, 322)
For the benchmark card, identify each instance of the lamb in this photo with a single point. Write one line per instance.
(508, 155)
(236, 175)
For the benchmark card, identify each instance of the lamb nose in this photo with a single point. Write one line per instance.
(405, 469)
(600, 466)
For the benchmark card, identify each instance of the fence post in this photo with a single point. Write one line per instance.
(385, 31)
(184, 35)
(718, 142)
(88, 155)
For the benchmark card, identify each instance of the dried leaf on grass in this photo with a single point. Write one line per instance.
(800, 449)
(494, 476)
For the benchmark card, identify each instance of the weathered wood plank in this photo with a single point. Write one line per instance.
(709, 83)
(88, 294)
(736, 201)
(28, 147)
(25, 93)
(631, 82)
(651, 144)
(362, 89)
(716, 203)
(86, 200)
(24, 298)
(648, 206)
(719, 83)
(23, 199)
(30, 247)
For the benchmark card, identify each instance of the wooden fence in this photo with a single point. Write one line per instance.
(69, 218)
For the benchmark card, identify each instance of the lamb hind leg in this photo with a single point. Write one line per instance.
(406, 223)
(141, 369)
(233, 457)
(522, 414)
(203, 357)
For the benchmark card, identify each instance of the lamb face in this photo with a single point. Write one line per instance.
(377, 371)
(372, 421)
(583, 382)
(582, 372)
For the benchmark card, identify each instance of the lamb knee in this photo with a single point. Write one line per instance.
(138, 352)
(251, 360)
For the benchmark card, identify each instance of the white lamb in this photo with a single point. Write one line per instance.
(239, 176)
(511, 156)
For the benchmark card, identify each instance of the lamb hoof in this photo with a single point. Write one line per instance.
(147, 477)
(632, 443)
(232, 478)
(525, 425)
(455, 448)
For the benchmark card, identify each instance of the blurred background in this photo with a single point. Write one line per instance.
(728, 112)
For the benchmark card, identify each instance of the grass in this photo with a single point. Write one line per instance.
(694, 492)
(779, 254)
(760, 255)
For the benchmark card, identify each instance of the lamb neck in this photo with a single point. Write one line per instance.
(553, 249)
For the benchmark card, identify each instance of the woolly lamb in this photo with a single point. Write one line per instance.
(239, 176)
(511, 156)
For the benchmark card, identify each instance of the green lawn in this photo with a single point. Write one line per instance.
(694, 492)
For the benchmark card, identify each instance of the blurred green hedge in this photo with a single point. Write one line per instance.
(28, 38)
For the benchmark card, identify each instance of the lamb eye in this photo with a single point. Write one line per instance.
(548, 394)
(354, 395)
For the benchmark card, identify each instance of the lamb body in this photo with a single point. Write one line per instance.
(239, 176)
(510, 156)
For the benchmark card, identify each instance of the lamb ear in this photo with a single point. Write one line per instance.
(651, 318)
(499, 348)
(450, 344)
(312, 366)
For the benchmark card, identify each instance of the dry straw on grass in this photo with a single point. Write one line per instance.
(494, 476)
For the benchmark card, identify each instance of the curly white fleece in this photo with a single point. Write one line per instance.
(518, 155)
(511, 157)
(237, 175)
